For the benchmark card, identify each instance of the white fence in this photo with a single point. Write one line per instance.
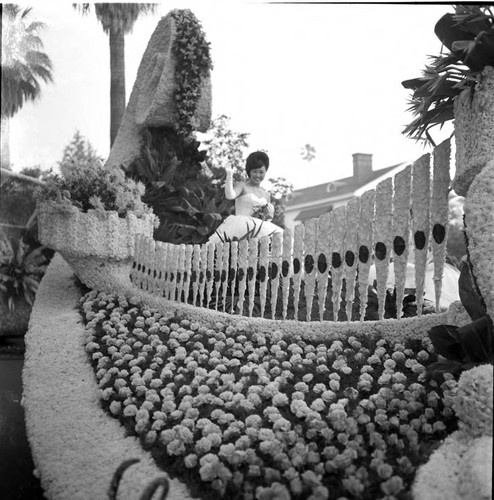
(302, 275)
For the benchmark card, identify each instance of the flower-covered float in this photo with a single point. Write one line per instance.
(153, 393)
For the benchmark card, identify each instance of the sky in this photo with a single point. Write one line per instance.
(328, 75)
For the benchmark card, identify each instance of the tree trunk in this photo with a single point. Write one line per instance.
(5, 144)
(117, 85)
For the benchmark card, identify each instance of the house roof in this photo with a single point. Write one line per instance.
(310, 213)
(333, 189)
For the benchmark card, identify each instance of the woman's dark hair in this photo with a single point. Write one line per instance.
(257, 159)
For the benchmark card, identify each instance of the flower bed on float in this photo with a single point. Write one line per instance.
(246, 415)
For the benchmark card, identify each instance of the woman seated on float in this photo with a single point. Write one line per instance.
(253, 208)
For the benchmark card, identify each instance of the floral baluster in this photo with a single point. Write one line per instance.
(286, 268)
(243, 253)
(323, 252)
(298, 257)
(166, 270)
(401, 233)
(209, 273)
(224, 272)
(365, 244)
(202, 275)
(263, 270)
(150, 257)
(420, 223)
(439, 213)
(310, 238)
(196, 271)
(217, 272)
(351, 249)
(187, 272)
(275, 269)
(142, 262)
(172, 273)
(339, 224)
(180, 271)
(252, 272)
(382, 238)
(161, 253)
(135, 261)
(233, 274)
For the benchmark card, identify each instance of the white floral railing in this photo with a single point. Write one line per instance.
(304, 272)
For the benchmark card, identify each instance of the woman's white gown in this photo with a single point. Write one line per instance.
(236, 226)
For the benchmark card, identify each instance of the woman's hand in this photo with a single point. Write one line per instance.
(229, 172)
(230, 192)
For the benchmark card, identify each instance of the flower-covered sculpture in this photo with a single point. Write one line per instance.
(91, 216)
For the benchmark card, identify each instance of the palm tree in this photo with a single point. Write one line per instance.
(117, 20)
(24, 65)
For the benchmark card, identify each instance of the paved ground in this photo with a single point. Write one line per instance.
(17, 481)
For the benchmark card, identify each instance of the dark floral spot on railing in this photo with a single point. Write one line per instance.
(273, 270)
(208, 275)
(172, 277)
(201, 276)
(185, 276)
(309, 264)
(134, 264)
(336, 260)
(179, 276)
(241, 274)
(149, 272)
(438, 233)
(193, 276)
(296, 266)
(154, 274)
(349, 258)
(166, 275)
(216, 275)
(250, 273)
(363, 254)
(143, 269)
(262, 274)
(160, 275)
(322, 263)
(399, 245)
(232, 273)
(223, 275)
(381, 250)
(419, 240)
(285, 267)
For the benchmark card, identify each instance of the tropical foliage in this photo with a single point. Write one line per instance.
(24, 66)
(185, 198)
(468, 35)
(117, 20)
(21, 269)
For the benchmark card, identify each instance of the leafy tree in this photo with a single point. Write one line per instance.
(117, 20)
(279, 189)
(24, 65)
(79, 151)
(225, 147)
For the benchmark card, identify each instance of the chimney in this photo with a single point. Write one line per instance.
(362, 166)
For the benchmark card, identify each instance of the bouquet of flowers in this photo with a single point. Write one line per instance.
(261, 212)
